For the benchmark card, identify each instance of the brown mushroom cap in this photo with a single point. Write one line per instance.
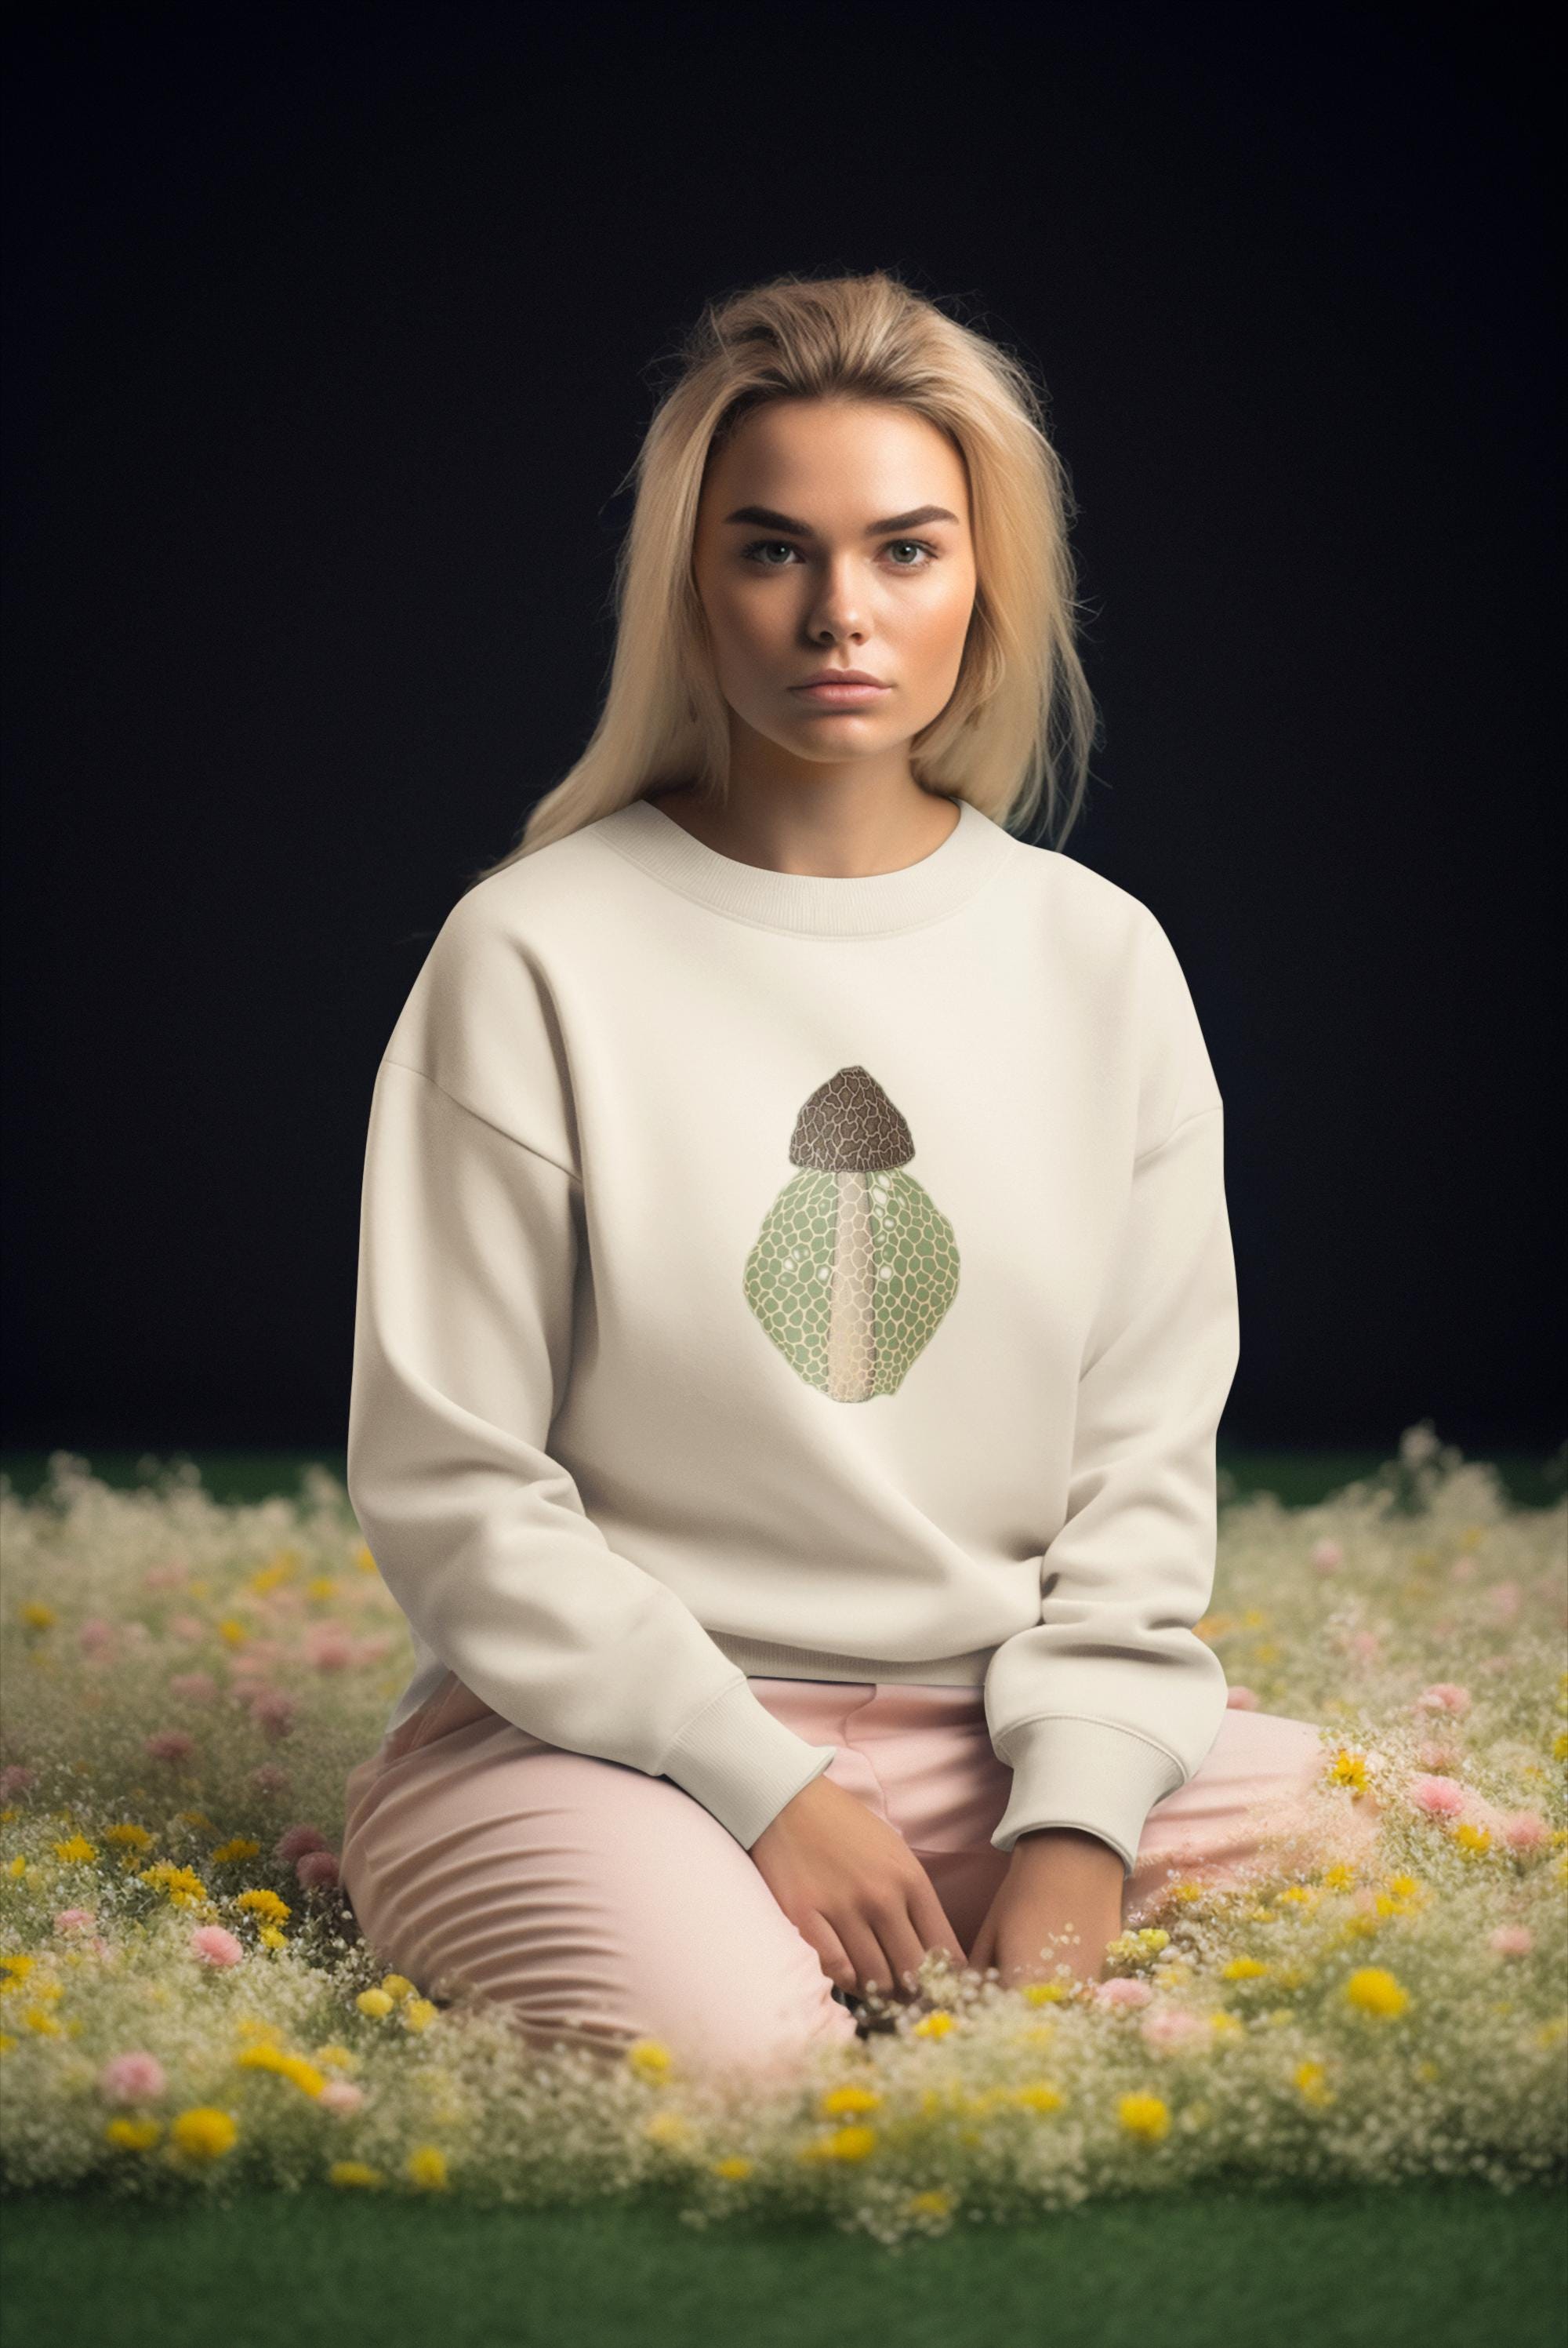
(850, 1126)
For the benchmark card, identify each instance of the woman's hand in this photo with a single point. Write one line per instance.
(852, 1887)
(1058, 1903)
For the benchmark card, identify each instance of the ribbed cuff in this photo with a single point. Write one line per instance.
(1087, 1774)
(741, 1763)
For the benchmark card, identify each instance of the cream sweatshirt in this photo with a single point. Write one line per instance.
(769, 1275)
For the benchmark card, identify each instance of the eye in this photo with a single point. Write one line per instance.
(760, 546)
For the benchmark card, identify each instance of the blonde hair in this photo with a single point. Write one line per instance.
(1020, 724)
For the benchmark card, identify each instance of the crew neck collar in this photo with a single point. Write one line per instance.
(811, 904)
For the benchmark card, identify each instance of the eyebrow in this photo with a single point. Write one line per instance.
(764, 518)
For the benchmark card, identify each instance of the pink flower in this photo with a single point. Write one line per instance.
(1368, 1645)
(1435, 1754)
(1240, 1699)
(1119, 1993)
(72, 1919)
(317, 1868)
(1505, 1598)
(163, 1577)
(214, 1946)
(189, 1627)
(1444, 1695)
(1524, 1830)
(1497, 1664)
(193, 1687)
(132, 2078)
(372, 1650)
(1439, 1798)
(15, 1779)
(295, 1839)
(329, 1646)
(170, 1744)
(1171, 2027)
(271, 1777)
(341, 2096)
(1327, 1556)
(94, 1634)
(1512, 1941)
(272, 1709)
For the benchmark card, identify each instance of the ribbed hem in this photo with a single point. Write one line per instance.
(811, 904)
(1088, 1774)
(741, 1764)
(763, 1659)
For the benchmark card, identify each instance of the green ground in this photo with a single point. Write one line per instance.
(1439, 2264)
(1449, 2266)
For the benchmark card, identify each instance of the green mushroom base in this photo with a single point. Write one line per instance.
(850, 1276)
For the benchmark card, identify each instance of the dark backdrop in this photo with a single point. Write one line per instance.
(331, 335)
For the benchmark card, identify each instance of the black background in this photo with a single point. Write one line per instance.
(331, 334)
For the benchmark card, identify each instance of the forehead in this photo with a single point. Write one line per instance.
(847, 455)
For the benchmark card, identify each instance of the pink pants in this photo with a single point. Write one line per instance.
(601, 1905)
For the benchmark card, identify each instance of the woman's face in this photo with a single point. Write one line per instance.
(836, 534)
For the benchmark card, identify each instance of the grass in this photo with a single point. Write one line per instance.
(1440, 2264)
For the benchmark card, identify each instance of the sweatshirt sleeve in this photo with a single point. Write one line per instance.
(469, 1249)
(1111, 1702)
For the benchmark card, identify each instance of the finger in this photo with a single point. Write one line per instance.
(831, 1954)
(930, 1919)
(863, 1945)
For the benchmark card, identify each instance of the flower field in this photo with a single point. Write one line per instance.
(187, 2009)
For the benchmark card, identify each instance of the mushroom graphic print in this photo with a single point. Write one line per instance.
(855, 1264)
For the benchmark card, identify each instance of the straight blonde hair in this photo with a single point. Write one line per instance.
(1019, 727)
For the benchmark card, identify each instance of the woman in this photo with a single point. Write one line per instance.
(795, 1292)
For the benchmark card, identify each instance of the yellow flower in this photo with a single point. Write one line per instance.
(1472, 1838)
(1037, 2095)
(418, 2013)
(838, 2100)
(136, 1837)
(667, 2127)
(7, 2042)
(933, 2026)
(17, 1966)
(237, 1847)
(204, 2132)
(733, 2165)
(37, 1616)
(293, 2067)
(337, 2058)
(76, 1847)
(353, 2172)
(1339, 1877)
(196, 1818)
(1045, 1993)
(1227, 2026)
(1374, 1990)
(374, 2001)
(39, 2018)
(397, 1984)
(265, 1903)
(1312, 2079)
(133, 2136)
(272, 1938)
(650, 2060)
(1187, 1892)
(1242, 1969)
(182, 1884)
(252, 2025)
(426, 2167)
(363, 1559)
(322, 1590)
(849, 2144)
(233, 1630)
(1349, 1768)
(936, 2202)
(1560, 1745)
(18, 1866)
(1145, 2115)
